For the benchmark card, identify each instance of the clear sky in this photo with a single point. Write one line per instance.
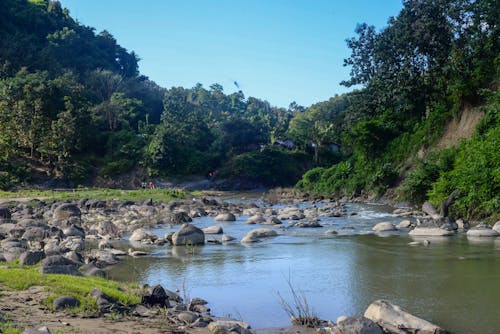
(277, 50)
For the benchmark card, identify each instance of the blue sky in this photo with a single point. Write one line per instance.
(277, 50)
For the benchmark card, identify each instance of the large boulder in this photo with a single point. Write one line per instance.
(35, 234)
(358, 325)
(482, 230)
(226, 217)
(66, 210)
(57, 264)
(255, 219)
(395, 320)
(30, 258)
(156, 297)
(188, 235)
(496, 227)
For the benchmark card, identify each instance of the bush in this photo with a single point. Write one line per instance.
(271, 166)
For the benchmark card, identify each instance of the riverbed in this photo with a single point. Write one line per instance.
(453, 282)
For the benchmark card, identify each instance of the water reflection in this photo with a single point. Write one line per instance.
(453, 281)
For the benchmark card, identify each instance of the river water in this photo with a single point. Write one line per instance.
(454, 282)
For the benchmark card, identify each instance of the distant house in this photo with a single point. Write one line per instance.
(287, 143)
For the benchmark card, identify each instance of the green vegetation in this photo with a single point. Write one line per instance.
(23, 277)
(160, 195)
(74, 108)
(416, 75)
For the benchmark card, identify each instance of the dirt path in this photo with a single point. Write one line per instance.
(26, 310)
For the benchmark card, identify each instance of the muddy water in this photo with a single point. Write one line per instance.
(454, 282)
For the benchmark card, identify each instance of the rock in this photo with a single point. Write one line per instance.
(141, 235)
(103, 258)
(64, 302)
(66, 210)
(180, 218)
(156, 297)
(431, 231)
(142, 311)
(108, 228)
(74, 231)
(31, 258)
(57, 264)
(272, 221)
(307, 224)
(226, 217)
(188, 235)
(255, 235)
(358, 325)
(41, 330)
(394, 319)
(227, 238)
(5, 214)
(90, 269)
(255, 219)
(213, 230)
(482, 231)
(462, 224)
(384, 226)
(35, 233)
(496, 227)
(404, 224)
(188, 317)
(228, 326)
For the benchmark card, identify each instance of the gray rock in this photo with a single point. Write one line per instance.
(188, 317)
(482, 231)
(90, 269)
(227, 238)
(358, 325)
(227, 217)
(188, 235)
(57, 264)
(384, 226)
(64, 302)
(272, 221)
(431, 231)
(255, 219)
(31, 258)
(255, 235)
(180, 218)
(307, 224)
(41, 330)
(66, 210)
(394, 319)
(404, 224)
(35, 233)
(74, 231)
(213, 230)
(108, 228)
(5, 214)
(228, 326)
(141, 235)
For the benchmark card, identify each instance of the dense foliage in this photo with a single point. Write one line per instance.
(73, 106)
(413, 77)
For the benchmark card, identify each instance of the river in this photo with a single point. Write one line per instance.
(453, 282)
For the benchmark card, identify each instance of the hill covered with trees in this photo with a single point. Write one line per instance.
(74, 107)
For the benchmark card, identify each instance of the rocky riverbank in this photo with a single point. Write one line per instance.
(86, 237)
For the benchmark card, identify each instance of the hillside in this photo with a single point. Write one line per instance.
(420, 122)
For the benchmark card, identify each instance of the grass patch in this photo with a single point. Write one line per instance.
(159, 195)
(22, 277)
